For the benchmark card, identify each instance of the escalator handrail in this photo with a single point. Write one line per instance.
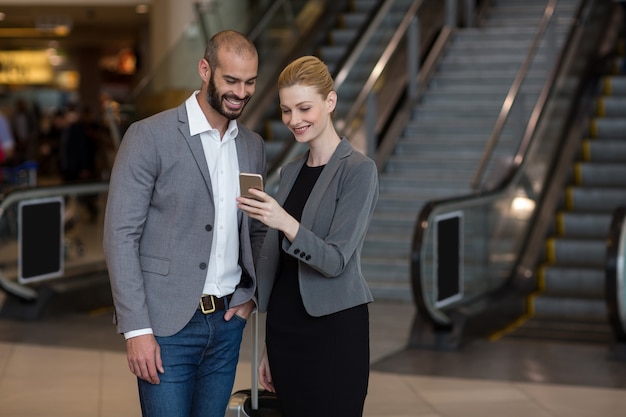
(22, 194)
(614, 274)
(425, 309)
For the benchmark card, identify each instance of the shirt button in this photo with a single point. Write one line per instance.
(202, 266)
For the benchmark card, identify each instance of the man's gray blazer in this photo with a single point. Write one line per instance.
(159, 223)
(332, 229)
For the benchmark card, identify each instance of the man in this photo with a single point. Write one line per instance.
(179, 253)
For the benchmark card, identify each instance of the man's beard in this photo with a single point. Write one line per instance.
(215, 101)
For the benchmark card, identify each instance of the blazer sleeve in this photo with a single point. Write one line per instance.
(351, 214)
(130, 189)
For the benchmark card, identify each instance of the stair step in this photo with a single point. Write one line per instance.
(364, 6)
(342, 36)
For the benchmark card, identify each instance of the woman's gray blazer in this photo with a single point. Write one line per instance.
(332, 229)
(160, 220)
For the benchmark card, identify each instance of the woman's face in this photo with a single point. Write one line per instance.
(305, 112)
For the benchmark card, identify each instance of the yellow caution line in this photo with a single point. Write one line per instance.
(560, 224)
(586, 150)
(530, 309)
(600, 107)
(593, 128)
(569, 198)
(550, 253)
(578, 173)
(607, 87)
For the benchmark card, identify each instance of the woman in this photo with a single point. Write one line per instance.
(310, 282)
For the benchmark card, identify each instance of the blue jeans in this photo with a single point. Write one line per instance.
(200, 363)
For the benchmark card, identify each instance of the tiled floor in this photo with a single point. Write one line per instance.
(74, 366)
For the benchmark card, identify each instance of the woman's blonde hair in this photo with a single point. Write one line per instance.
(308, 71)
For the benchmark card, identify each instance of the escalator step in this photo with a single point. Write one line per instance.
(604, 150)
(612, 128)
(567, 281)
(564, 331)
(569, 309)
(611, 106)
(600, 174)
(583, 225)
(594, 199)
(577, 252)
(614, 85)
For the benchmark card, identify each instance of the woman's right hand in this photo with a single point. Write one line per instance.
(265, 376)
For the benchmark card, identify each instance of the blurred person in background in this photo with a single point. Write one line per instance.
(7, 141)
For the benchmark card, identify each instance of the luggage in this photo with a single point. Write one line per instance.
(252, 402)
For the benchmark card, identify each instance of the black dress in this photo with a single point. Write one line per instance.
(320, 365)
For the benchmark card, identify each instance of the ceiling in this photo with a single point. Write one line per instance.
(107, 28)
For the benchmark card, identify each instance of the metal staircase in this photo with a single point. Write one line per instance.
(333, 47)
(441, 146)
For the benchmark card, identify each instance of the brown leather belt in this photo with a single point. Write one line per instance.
(211, 303)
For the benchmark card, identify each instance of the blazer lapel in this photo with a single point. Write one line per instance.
(344, 149)
(195, 145)
(243, 153)
(243, 157)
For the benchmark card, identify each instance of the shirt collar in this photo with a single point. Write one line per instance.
(198, 122)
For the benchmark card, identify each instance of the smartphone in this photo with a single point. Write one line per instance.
(247, 180)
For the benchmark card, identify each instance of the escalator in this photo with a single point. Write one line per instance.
(478, 263)
(570, 304)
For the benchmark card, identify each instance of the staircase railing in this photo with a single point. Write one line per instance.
(395, 74)
(467, 249)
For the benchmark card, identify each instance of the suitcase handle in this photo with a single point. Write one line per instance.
(255, 361)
